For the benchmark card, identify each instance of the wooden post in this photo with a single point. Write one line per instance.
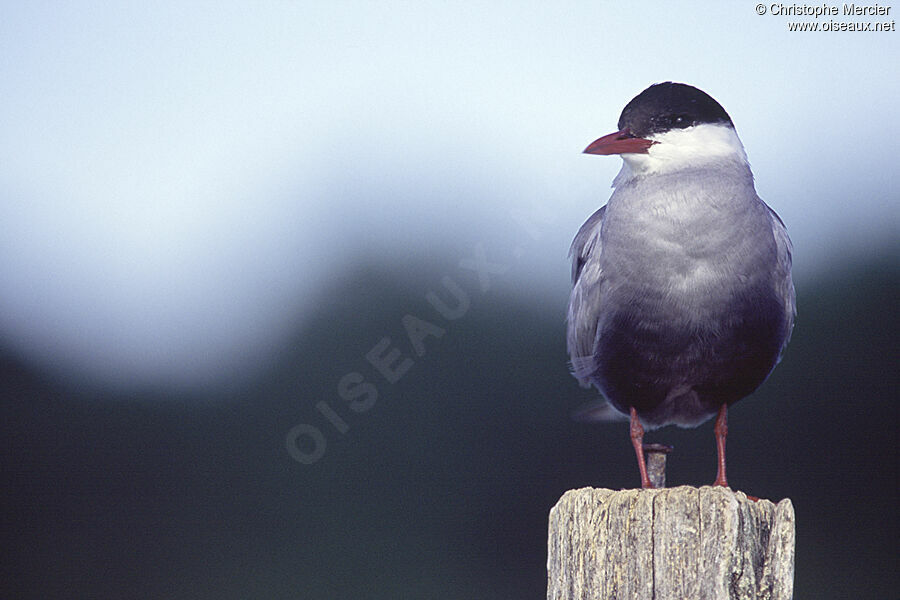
(669, 544)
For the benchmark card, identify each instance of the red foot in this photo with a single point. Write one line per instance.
(721, 430)
(637, 440)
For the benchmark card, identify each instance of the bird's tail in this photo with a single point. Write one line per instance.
(597, 411)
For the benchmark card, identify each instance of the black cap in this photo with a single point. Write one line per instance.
(665, 106)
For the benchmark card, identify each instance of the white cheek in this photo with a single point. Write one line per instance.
(688, 148)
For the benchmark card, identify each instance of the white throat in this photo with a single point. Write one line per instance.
(678, 149)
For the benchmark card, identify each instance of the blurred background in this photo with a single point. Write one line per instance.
(218, 220)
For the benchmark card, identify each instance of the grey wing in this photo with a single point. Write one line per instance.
(784, 282)
(585, 302)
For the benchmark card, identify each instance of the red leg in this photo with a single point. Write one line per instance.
(721, 430)
(637, 440)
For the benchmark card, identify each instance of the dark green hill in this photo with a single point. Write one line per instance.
(440, 489)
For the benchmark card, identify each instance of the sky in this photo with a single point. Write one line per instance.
(179, 181)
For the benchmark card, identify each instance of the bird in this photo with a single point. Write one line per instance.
(682, 300)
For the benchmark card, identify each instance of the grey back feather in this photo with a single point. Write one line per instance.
(784, 257)
(585, 303)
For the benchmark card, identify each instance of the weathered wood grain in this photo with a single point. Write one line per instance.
(709, 543)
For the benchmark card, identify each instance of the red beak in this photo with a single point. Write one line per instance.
(620, 142)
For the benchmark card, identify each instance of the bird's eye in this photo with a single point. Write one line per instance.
(669, 121)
